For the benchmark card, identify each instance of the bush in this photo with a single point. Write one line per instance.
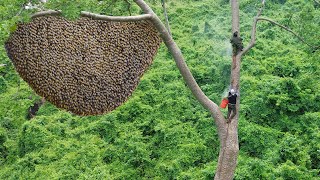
(33, 137)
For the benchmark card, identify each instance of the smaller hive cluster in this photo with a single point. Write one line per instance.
(87, 66)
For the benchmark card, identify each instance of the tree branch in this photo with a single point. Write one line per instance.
(2, 65)
(116, 18)
(253, 30)
(253, 38)
(112, 3)
(287, 29)
(184, 70)
(20, 11)
(45, 13)
(235, 16)
(129, 6)
(166, 16)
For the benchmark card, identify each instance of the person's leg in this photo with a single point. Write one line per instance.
(229, 111)
(233, 111)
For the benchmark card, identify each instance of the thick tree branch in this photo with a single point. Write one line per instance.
(116, 18)
(184, 70)
(45, 13)
(97, 16)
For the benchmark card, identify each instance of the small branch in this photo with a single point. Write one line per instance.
(166, 16)
(20, 11)
(129, 6)
(2, 65)
(116, 18)
(32, 110)
(112, 3)
(287, 29)
(261, 8)
(253, 37)
(46, 13)
(254, 29)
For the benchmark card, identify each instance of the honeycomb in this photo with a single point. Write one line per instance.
(87, 67)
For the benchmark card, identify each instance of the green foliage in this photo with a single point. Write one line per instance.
(253, 168)
(3, 85)
(288, 171)
(3, 148)
(162, 132)
(258, 141)
(292, 149)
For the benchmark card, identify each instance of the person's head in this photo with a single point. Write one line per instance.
(232, 91)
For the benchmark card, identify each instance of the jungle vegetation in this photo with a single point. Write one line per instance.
(162, 132)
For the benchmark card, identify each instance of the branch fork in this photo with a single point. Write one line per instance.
(254, 29)
(227, 132)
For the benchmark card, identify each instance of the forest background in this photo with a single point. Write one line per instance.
(162, 132)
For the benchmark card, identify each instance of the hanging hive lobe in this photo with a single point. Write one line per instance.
(88, 67)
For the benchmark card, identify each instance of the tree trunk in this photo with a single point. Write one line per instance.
(229, 144)
(228, 154)
(228, 132)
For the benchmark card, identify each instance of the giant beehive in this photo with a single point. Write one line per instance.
(86, 66)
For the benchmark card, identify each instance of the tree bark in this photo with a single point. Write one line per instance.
(228, 133)
(32, 110)
(229, 146)
(289, 30)
(184, 70)
(166, 15)
(45, 13)
(254, 31)
(116, 18)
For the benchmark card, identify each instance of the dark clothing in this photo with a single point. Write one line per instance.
(231, 106)
(236, 42)
(232, 98)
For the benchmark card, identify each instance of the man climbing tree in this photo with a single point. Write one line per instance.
(228, 132)
(236, 42)
(232, 98)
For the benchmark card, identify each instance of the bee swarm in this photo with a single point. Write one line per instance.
(87, 66)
